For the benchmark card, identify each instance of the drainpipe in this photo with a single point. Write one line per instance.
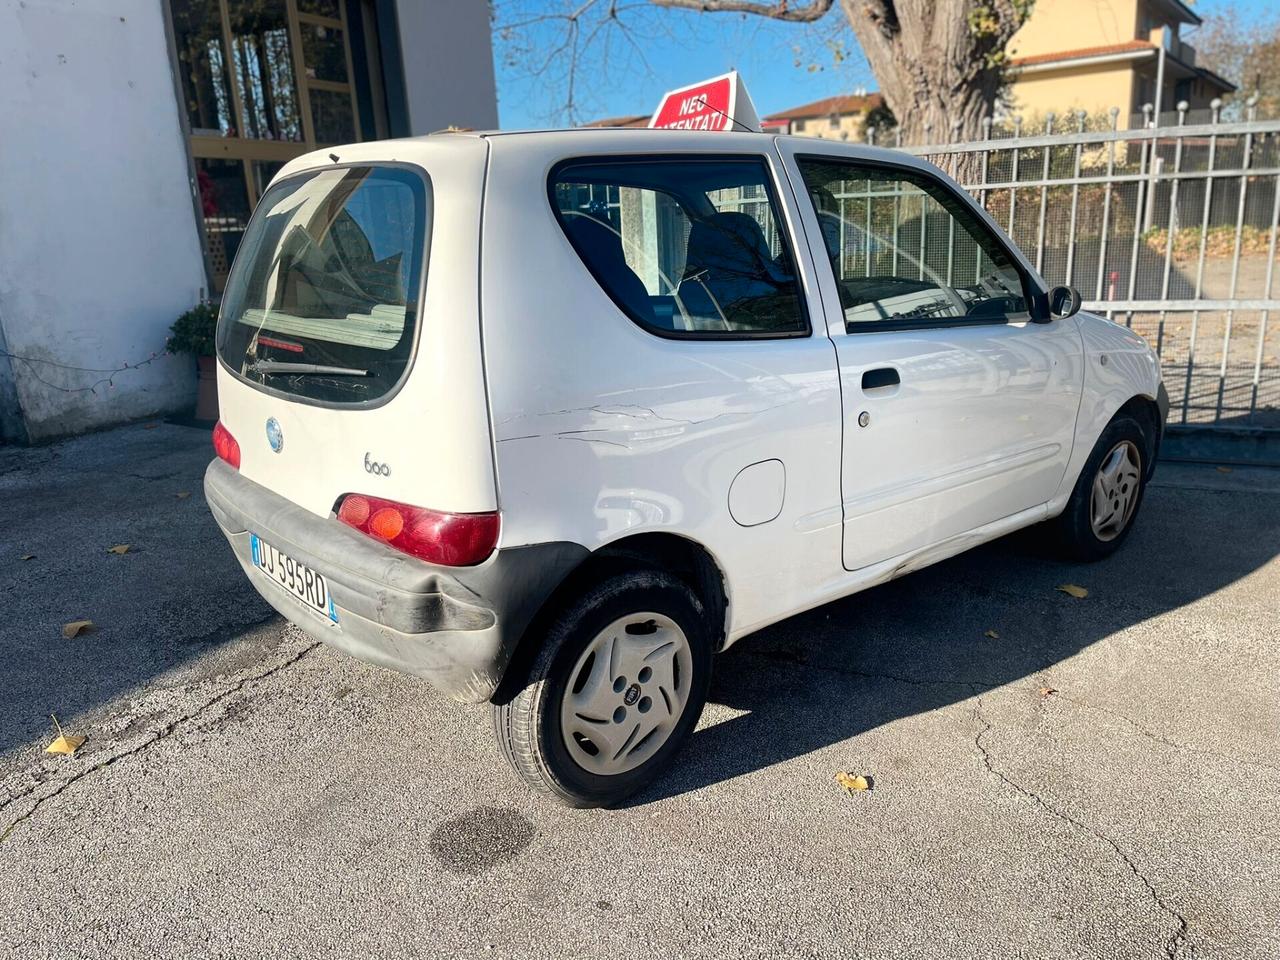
(1157, 162)
(1160, 54)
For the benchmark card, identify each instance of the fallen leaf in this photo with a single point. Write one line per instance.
(1047, 691)
(992, 634)
(76, 627)
(1073, 590)
(66, 743)
(182, 494)
(119, 548)
(27, 556)
(853, 783)
(1224, 469)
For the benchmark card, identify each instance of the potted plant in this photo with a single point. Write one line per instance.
(193, 333)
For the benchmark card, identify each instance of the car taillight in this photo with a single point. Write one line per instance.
(225, 446)
(450, 539)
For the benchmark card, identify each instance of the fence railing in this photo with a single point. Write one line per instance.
(1170, 230)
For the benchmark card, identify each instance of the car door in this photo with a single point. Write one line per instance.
(959, 393)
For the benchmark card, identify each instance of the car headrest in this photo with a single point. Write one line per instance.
(728, 242)
(601, 249)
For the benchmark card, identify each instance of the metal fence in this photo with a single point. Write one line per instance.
(1170, 230)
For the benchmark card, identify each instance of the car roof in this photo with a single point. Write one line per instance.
(588, 141)
(604, 139)
(746, 140)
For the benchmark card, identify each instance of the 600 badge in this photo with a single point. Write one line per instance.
(373, 466)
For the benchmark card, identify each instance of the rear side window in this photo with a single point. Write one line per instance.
(322, 303)
(687, 248)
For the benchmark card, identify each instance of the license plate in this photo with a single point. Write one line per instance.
(293, 577)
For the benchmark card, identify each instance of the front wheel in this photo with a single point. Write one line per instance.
(1105, 501)
(616, 688)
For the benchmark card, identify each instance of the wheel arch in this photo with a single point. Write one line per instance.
(688, 559)
(1096, 415)
(1146, 410)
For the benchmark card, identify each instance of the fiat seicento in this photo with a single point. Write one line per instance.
(550, 419)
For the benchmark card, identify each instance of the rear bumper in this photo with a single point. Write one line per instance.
(456, 627)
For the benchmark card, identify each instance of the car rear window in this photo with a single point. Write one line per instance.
(322, 303)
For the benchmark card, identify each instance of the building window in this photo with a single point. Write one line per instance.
(264, 81)
(263, 61)
(202, 67)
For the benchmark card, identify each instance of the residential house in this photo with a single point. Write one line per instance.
(1093, 55)
(833, 118)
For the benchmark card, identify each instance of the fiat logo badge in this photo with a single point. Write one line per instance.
(275, 436)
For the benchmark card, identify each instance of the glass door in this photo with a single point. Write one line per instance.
(263, 81)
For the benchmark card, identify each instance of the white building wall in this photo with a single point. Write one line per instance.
(99, 250)
(448, 64)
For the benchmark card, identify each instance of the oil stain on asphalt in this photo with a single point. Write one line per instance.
(480, 838)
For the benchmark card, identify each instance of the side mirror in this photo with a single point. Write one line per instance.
(1064, 302)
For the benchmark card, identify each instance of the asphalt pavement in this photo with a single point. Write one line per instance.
(1052, 776)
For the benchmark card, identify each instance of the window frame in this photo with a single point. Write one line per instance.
(428, 245)
(1032, 292)
(771, 186)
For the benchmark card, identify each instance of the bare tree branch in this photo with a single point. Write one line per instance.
(941, 64)
(551, 43)
(781, 10)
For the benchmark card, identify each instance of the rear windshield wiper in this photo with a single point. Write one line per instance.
(318, 369)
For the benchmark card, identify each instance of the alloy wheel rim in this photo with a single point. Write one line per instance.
(1115, 491)
(626, 693)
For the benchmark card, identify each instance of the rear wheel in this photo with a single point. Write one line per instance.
(1105, 502)
(618, 684)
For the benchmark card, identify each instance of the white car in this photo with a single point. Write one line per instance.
(549, 419)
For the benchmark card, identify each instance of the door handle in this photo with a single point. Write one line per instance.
(880, 377)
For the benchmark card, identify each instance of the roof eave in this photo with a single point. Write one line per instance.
(1217, 80)
(1183, 12)
(1074, 62)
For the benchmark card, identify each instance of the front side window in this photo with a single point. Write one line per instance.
(323, 301)
(687, 248)
(906, 252)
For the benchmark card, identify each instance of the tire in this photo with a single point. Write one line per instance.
(605, 678)
(1080, 536)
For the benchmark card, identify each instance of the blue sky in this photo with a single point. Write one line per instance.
(675, 48)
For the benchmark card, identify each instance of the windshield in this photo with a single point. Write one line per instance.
(323, 300)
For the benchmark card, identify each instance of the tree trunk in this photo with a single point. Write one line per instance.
(930, 119)
(929, 113)
(938, 62)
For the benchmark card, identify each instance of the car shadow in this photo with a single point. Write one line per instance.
(814, 680)
(922, 642)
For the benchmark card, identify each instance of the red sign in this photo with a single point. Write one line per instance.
(704, 106)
